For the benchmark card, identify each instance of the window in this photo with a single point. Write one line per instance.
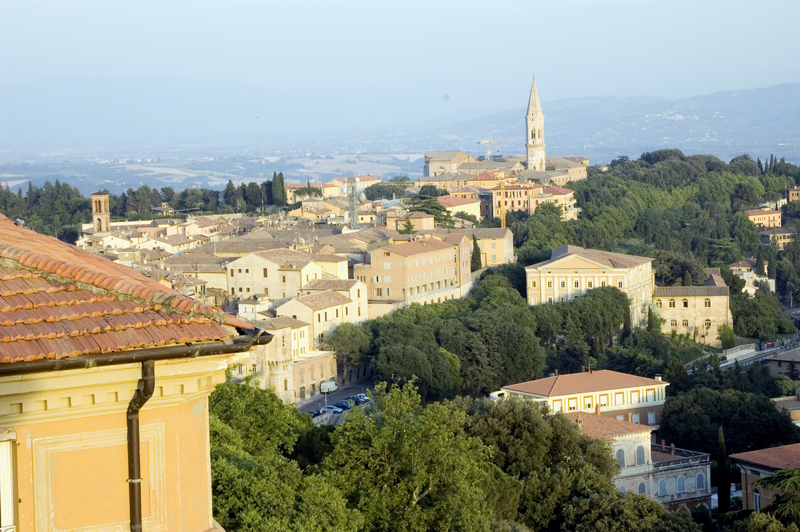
(651, 418)
(603, 400)
(707, 303)
(549, 299)
(622, 490)
(642, 488)
(673, 323)
(671, 303)
(577, 284)
(284, 278)
(387, 265)
(587, 403)
(326, 315)
(621, 458)
(533, 284)
(233, 290)
(563, 284)
(701, 482)
(685, 303)
(589, 284)
(285, 385)
(640, 457)
(756, 500)
(658, 303)
(572, 404)
(240, 270)
(635, 418)
(619, 284)
(681, 485)
(707, 324)
(662, 487)
(602, 284)
(337, 312)
(549, 284)
(231, 273)
(685, 323)
(7, 502)
(247, 270)
(557, 406)
(619, 399)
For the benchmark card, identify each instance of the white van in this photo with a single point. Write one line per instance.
(328, 387)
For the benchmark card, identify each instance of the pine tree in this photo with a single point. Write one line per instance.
(476, 255)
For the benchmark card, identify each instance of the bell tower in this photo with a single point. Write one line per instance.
(101, 213)
(534, 126)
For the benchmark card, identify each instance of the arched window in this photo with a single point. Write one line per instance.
(622, 490)
(701, 482)
(685, 323)
(671, 303)
(658, 303)
(685, 303)
(621, 458)
(642, 488)
(681, 485)
(662, 487)
(756, 500)
(707, 303)
(673, 323)
(640, 458)
(707, 324)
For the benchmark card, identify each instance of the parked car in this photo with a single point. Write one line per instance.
(316, 413)
(330, 409)
(359, 399)
(344, 405)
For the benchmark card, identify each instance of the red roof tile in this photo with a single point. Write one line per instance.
(58, 301)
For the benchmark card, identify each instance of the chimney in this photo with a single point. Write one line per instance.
(630, 417)
(556, 372)
(663, 445)
(658, 377)
(671, 448)
(597, 409)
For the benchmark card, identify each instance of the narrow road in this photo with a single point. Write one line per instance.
(316, 402)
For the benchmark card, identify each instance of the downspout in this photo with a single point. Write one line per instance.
(143, 392)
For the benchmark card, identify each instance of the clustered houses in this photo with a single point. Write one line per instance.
(697, 311)
(625, 410)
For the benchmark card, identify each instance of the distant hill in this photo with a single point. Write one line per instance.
(726, 124)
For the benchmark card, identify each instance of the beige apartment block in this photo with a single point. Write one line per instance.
(573, 270)
(755, 465)
(496, 244)
(447, 181)
(491, 179)
(203, 265)
(324, 311)
(563, 198)
(779, 236)
(353, 289)
(671, 476)
(276, 273)
(604, 392)
(697, 311)
(424, 271)
(765, 218)
(467, 192)
(455, 205)
(444, 162)
(420, 221)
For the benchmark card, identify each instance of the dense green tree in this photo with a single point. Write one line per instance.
(723, 474)
(278, 189)
(476, 262)
(350, 342)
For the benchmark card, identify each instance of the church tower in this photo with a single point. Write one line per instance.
(101, 212)
(534, 125)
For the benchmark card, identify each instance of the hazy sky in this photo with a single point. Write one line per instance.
(407, 60)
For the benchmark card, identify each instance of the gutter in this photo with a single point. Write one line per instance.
(147, 358)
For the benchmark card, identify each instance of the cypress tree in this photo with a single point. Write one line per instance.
(278, 190)
(687, 278)
(476, 255)
(723, 475)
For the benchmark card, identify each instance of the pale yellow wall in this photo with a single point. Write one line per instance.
(71, 452)
(690, 319)
(277, 284)
(315, 369)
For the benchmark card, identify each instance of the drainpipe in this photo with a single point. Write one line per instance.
(143, 392)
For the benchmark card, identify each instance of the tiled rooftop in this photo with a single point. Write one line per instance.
(58, 301)
(596, 426)
(783, 457)
(586, 382)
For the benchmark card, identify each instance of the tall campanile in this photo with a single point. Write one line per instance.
(534, 125)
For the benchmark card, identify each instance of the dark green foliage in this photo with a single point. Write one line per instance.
(385, 191)
(475, 263)
(278, 189)
(692, 419)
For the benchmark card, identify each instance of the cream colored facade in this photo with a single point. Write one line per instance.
(69, 439)
(444, 162)
(324, 311)
(527, 197)
(455, 205)
(447, 181)
(765, 217)
(572, 271)
(697, 311)
(425, 271)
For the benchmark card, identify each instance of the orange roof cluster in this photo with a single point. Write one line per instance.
(58, 301)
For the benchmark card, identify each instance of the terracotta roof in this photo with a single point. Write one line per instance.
(285, 257)
(327, 257)
(606, 258)
(756, 212)
(586, 382)
(281, 322)
(783, 457)
(330, 284)
(746, 263)
(416, 248)
(321, 300)
(597, 427)
(714, 280)
(558, 191)
(58, 301)
(453, 201)
(686, 291)
(793, 355)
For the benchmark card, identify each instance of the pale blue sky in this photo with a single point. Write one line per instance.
(389, 61)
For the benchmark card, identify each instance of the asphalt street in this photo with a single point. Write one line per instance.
(322, 399)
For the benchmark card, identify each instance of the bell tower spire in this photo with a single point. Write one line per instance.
(534, 126)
